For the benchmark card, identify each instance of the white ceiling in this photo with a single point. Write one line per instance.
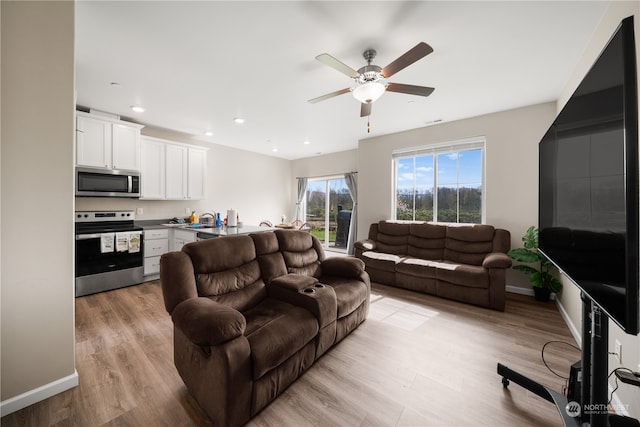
(195, 66)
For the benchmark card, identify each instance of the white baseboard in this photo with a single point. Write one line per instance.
(38, 394)
(575, 332)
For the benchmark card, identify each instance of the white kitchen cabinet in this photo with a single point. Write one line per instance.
(172, 171)
(181, 238)
(176, 172)
(107, 143)
(93, 142)
(156, 243)
(126, 147)
(152, 169)
(196, 173)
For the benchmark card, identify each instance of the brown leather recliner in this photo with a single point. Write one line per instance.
(251, 313)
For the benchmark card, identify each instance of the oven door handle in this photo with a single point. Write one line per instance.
(87, 236)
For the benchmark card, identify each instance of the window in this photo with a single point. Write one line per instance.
(328, 207)
(442, 183)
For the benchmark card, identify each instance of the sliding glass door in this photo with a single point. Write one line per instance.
(328, 211)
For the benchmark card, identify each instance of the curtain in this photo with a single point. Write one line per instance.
(350, 179)
(302, 190)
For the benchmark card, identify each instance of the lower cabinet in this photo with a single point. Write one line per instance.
(156, 243)
(161, 241)
(181, 238)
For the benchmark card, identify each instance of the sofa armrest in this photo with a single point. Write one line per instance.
(206, 322)
(343, 267)
(293, 282)
(308, 293)
(365, 245)
(496, 260)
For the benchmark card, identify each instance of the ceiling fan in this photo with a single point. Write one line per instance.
(370, 80)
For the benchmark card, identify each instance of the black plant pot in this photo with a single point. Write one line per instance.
(541, 294)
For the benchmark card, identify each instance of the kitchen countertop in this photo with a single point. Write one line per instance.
(229, 231)
(209, 230)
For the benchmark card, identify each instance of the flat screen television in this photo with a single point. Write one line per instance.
(588, 188)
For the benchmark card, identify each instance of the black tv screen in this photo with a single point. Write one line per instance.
(588, 200)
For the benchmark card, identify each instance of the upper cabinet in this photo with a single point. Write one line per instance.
(196, 165)
(103, 142)
(172, 171)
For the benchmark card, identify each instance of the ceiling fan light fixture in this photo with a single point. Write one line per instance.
(368, 92)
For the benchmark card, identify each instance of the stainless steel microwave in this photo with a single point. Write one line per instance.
(91, 182)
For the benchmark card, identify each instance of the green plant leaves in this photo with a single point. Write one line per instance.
(524, 255)
(539, 277)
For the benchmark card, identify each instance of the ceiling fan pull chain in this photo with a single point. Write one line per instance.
(368, 124)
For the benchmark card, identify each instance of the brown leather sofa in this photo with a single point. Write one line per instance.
(251, 313)
(463, 262)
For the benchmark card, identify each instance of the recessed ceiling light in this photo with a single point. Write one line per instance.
(274, 149)
(238, 120)
(115, 84)
(208, 133)
(137, 109)
(306, 143)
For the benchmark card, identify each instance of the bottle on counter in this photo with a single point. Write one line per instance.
(218, 220)
(193, 218)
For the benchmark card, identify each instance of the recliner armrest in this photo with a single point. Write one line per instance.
(293, 282)
(365, 245)
(343, 267)
(206, 322)
(497, 260)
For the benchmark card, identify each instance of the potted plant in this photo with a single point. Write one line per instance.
(541, 272)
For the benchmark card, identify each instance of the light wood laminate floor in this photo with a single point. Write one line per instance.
(417, 360)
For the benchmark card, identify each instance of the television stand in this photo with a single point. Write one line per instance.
(593, 409)
(544, 392)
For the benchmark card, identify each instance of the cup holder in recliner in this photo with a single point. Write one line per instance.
(312, 289)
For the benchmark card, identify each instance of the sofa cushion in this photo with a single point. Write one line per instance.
(426, 241)
(392, 237)
(417, 267)
(276, 330)
(301, 252)
(381, 260)
(462, 274)
(350, 294)
(237, 250)
(468, 244)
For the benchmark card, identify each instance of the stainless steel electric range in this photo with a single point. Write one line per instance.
(109, 251)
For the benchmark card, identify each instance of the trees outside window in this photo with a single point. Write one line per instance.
(325, 198)
(442, 184)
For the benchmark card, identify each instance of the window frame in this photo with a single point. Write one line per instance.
(436, 149)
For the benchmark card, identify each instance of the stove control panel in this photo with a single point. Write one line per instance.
(97, 216)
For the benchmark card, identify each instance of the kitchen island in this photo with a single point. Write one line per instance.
(210, 232)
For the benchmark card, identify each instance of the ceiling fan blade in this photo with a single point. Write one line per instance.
(338, 65)
(365, 109)
(329, 95)
(419, 51)
(409, 89)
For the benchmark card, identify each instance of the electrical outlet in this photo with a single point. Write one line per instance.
(139, 211)
(618, 351)
(187, 210)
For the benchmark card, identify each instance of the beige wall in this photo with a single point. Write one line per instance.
(257, 186)
(570, 298)
(37, 311)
